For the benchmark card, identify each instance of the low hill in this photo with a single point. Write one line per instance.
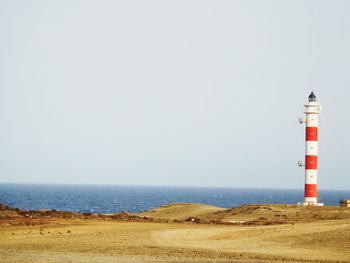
(275, 214)
(180, 211)
(260, 214)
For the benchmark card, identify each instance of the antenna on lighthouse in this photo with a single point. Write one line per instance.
(312, 110)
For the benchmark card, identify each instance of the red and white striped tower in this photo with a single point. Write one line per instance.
(312, 109)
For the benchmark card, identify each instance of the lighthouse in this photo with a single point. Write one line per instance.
(312, 110)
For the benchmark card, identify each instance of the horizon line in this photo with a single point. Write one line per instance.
(168, 186)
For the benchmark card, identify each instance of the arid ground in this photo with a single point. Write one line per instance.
(178, 233)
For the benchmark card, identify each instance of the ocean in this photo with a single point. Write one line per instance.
(112, 198)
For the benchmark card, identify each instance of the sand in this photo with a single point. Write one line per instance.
(104, 239)
(181, 211)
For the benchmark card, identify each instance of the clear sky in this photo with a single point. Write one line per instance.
(186, 93)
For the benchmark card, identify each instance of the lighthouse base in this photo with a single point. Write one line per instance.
(311, 204)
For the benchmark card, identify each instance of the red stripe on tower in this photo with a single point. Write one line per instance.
(311, 190)
(311, 162)
(311, 133)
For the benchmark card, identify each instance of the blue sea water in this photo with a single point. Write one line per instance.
(109, 199)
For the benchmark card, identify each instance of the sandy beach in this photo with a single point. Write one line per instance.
(173, 235)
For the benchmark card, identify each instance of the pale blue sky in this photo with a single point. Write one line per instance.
(197, 93)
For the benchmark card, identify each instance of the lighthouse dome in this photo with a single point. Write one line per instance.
(312, 97)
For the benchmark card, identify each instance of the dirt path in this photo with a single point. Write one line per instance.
(310, 241)
(99, 241)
